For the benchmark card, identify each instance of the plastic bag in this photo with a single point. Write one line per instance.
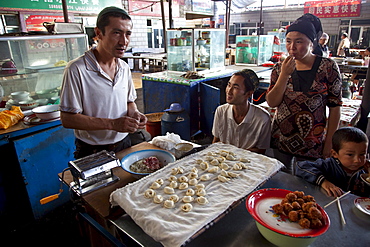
(11, 117)
(167, 142)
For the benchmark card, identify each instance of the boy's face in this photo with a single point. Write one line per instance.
(352, 155)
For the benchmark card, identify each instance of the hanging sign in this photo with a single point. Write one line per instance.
(333, 8)
(92, 6)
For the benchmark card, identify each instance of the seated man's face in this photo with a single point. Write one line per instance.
(235, 91)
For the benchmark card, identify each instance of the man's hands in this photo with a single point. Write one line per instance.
(131, 123)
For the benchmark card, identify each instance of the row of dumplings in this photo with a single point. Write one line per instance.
(182, 182)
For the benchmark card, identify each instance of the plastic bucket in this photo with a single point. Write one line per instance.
(153, 125)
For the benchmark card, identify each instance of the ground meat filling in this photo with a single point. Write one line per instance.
(147, 165)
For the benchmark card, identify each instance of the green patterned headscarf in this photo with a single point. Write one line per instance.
(251, 81)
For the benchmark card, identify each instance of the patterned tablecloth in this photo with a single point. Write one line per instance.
(348, 116)
(169, 223)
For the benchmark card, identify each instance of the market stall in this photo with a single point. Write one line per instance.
(35, 148)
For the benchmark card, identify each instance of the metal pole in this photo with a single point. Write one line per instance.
(227, 22)
(164, 27)
(260, 31)
(170, 13)
(65, 10)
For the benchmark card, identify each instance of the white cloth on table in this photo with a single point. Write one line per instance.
(173, 227)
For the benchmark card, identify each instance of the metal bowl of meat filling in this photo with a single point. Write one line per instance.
(142, 163)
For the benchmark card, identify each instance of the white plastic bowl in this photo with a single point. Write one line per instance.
(163, 156)
(20, 95)
(47, 112)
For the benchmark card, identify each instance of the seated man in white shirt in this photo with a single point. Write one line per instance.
(239, 122)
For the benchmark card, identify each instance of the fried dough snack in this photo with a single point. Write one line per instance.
(10, 117)
(300, 208)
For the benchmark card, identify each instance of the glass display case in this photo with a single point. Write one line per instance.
(279, 43)
(35, 63)
(253, 49)
(195, 49)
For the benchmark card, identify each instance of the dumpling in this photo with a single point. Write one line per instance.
(224, 166)
(168, 190)
(201, 200)
(193, 181)
(209, 158)
(237, 166)
(187, 199)
(149, 193)
(155, 185)
(173, 184)
(194, 169)
(213, 169)
(190, 192)
(183, 186)
(177, 170)
(183, 179)
(245, 160)
(193, 175)
(172, 178)
(186, 207)
(245, 166)
(159, 181)
(198, 161)
(158, 199)
(214, 162)
(224, 153)
(204, 165)
(200, 186)
(221, 159)
(201, 192)
(174, 198)
(230, 157)
(169, 204)
(205, 177)
(233, 174)
(211, 154)
(222, 179)
(224, 173)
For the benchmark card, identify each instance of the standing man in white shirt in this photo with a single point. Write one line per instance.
(344, 44)
(98, 94)
(239, 122)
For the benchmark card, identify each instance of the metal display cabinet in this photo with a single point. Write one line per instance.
(199, 97)
(195, 49)
(253, 49)
(39, 61)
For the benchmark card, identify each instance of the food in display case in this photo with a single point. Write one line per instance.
(195, 49)
(35, 64)
(252, 49)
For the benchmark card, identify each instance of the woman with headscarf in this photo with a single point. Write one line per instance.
(302, 86)
(322, 49)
